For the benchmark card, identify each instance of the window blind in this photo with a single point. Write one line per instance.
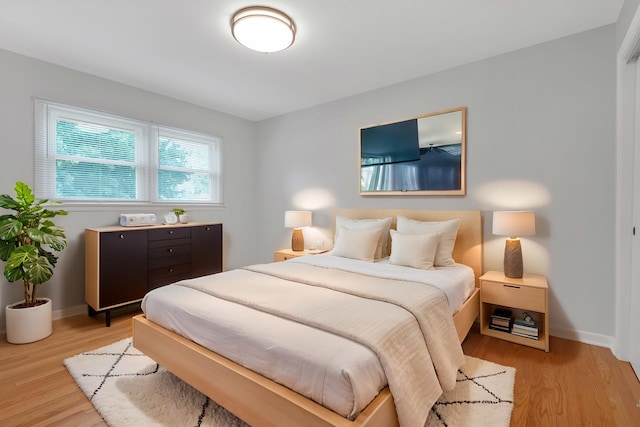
(88, 156)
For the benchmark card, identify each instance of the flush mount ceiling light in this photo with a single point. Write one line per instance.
(263, 29)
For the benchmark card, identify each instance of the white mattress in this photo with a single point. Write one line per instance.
(339, 374)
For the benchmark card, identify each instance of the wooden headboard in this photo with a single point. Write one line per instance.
(468, 248)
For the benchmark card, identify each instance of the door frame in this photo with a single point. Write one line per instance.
(625, 130)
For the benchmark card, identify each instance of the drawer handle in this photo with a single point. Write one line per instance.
(122, 236)
(208, 228)
(170, 250)
(511, 286)
(171, 270)
(170, 231)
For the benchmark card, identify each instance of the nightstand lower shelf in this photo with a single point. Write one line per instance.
(535, 343)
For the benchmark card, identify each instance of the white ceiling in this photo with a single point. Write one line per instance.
(184, 49)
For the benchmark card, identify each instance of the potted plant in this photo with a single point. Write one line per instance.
(182, 216)
(28, 240)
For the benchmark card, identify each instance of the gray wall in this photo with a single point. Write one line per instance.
(540, 135)
(23, 78)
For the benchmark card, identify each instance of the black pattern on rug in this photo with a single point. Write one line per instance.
(474, 380)
(119, 356)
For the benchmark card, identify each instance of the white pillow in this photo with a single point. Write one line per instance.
(357, 244)
(448, 231)
(414, 250)
(368, 224)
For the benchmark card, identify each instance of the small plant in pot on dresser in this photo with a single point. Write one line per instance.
(28, 242)
(181, 215)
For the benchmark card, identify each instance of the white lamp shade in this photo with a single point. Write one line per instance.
(514, 223)
(297, 219)
(263, 29)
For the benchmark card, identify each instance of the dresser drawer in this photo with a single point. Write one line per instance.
(168, 242)
(168, 251)
(159, 274)
(169, 233)
(505, 294)
(169, 261)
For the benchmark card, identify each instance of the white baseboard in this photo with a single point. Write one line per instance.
(69, 311)
(583, 337)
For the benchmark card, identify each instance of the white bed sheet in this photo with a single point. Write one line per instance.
(456, 281)
(340, 374)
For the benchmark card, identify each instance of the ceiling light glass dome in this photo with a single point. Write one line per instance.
(263, 29)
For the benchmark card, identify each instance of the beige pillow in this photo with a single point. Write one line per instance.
(448, 231)
(356, 244)
(368, 224)
(414, 250)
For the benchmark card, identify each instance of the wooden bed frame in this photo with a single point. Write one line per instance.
(262, 402)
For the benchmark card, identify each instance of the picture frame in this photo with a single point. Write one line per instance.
(422, 155)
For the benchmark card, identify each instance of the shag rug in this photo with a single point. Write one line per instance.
(128, 388)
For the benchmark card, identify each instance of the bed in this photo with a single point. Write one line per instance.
(261, 401)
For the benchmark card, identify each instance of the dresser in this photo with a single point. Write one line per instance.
(123, 263)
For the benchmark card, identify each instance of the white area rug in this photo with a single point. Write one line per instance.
(127, 388)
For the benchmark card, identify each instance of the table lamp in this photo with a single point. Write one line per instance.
(297, 220)
(513, 224)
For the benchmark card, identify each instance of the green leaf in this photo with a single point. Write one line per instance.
(51, 257)
(38, 270)
(21, 255)
(47, 237)
(24, 194)
(8, 202)
(13, 274)
(50, 214)
(6, 248)
(14, 269)
(9, 228)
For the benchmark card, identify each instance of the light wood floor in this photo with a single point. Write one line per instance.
(573, 385)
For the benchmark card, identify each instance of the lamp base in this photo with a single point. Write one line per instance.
(297, 240)
(513, 259)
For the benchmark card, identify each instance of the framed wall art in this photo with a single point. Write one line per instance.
(423, 155)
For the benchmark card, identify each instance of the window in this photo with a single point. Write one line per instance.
(85, 156)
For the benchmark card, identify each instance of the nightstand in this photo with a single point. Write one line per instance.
(528, 294)
(285, 254)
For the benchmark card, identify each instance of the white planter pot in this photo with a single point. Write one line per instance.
(184, 218)
(25, 325)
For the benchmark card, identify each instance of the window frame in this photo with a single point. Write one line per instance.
(146, 162)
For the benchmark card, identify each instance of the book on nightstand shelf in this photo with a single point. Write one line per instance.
(501, 320)
(525, 327)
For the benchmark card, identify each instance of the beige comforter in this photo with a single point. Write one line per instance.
(406, 324)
